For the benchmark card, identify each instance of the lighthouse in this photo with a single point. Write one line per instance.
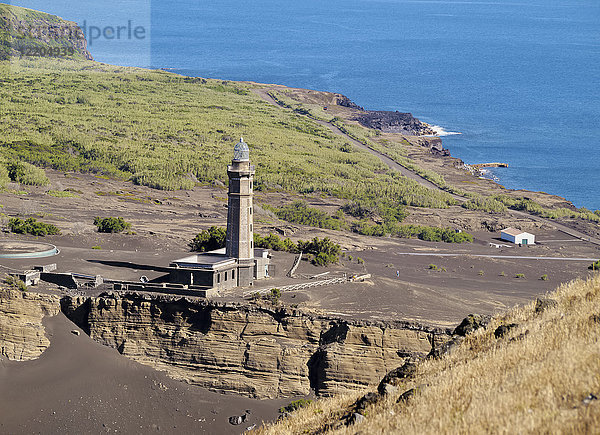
(240, 239)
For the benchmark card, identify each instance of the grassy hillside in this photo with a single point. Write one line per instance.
(24, 30)
(170, 132)
(542, 376)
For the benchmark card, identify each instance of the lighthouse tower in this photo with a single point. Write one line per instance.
(240, 239)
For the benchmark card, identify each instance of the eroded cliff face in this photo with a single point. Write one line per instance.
(249, 350)
(26, 32)
(22, 334)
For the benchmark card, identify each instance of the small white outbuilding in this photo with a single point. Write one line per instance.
(517, 237)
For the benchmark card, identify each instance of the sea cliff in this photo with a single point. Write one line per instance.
(255, 351)
(250, 350)
(25, 32)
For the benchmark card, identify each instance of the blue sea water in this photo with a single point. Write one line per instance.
(519, 79)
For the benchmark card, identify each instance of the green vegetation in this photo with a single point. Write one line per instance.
(520, 275)
(322, 252)
(544, 277)
(4, 177)
(488, 204)
(275, 243)
(111, 224)
(25, 173)
(595, 266)
(96, 247)
(296, 404)
(530, 206)
(209, 240)
(32, 226)
(300, 213)
(274, 296)
(390, 213)
(429, 234)
(61, 193)
(394, 151)
(501, 203)
(19, 26)
(111, 120)
(14, 282)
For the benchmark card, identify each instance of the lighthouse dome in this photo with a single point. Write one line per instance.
(241, 152)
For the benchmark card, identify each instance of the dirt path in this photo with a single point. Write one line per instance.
(263, 93)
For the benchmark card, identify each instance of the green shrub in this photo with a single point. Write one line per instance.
(484, 203)
(15, 282)
(111, 224)
(300, 213)
(209, 240)
(366, 228)
(433, 234)
(323, 251)
(61, 193)
(595, 266)
(390, 212)
(26, 173)
(32, 226)
(359, 209)
(4, 178)
(520, 275)
(530, 206)
(274, 296)
(273, 242)
(433, 267)
(346, 148)
(296, 404)
(544, 277)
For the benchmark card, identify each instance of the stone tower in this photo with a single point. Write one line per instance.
(240, 239)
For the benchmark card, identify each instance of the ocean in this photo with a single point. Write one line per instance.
(518, 79)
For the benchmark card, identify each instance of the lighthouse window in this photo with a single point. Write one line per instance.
(219, 278)
(251, 227)
(233, 274)
(225, 276)
(250, 210)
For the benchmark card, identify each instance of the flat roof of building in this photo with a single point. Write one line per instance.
(205, 260)
(212, 259)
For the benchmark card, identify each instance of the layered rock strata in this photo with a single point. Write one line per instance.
(250, 350)
(22, 334)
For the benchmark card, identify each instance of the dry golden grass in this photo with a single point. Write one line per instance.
(531, 383)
